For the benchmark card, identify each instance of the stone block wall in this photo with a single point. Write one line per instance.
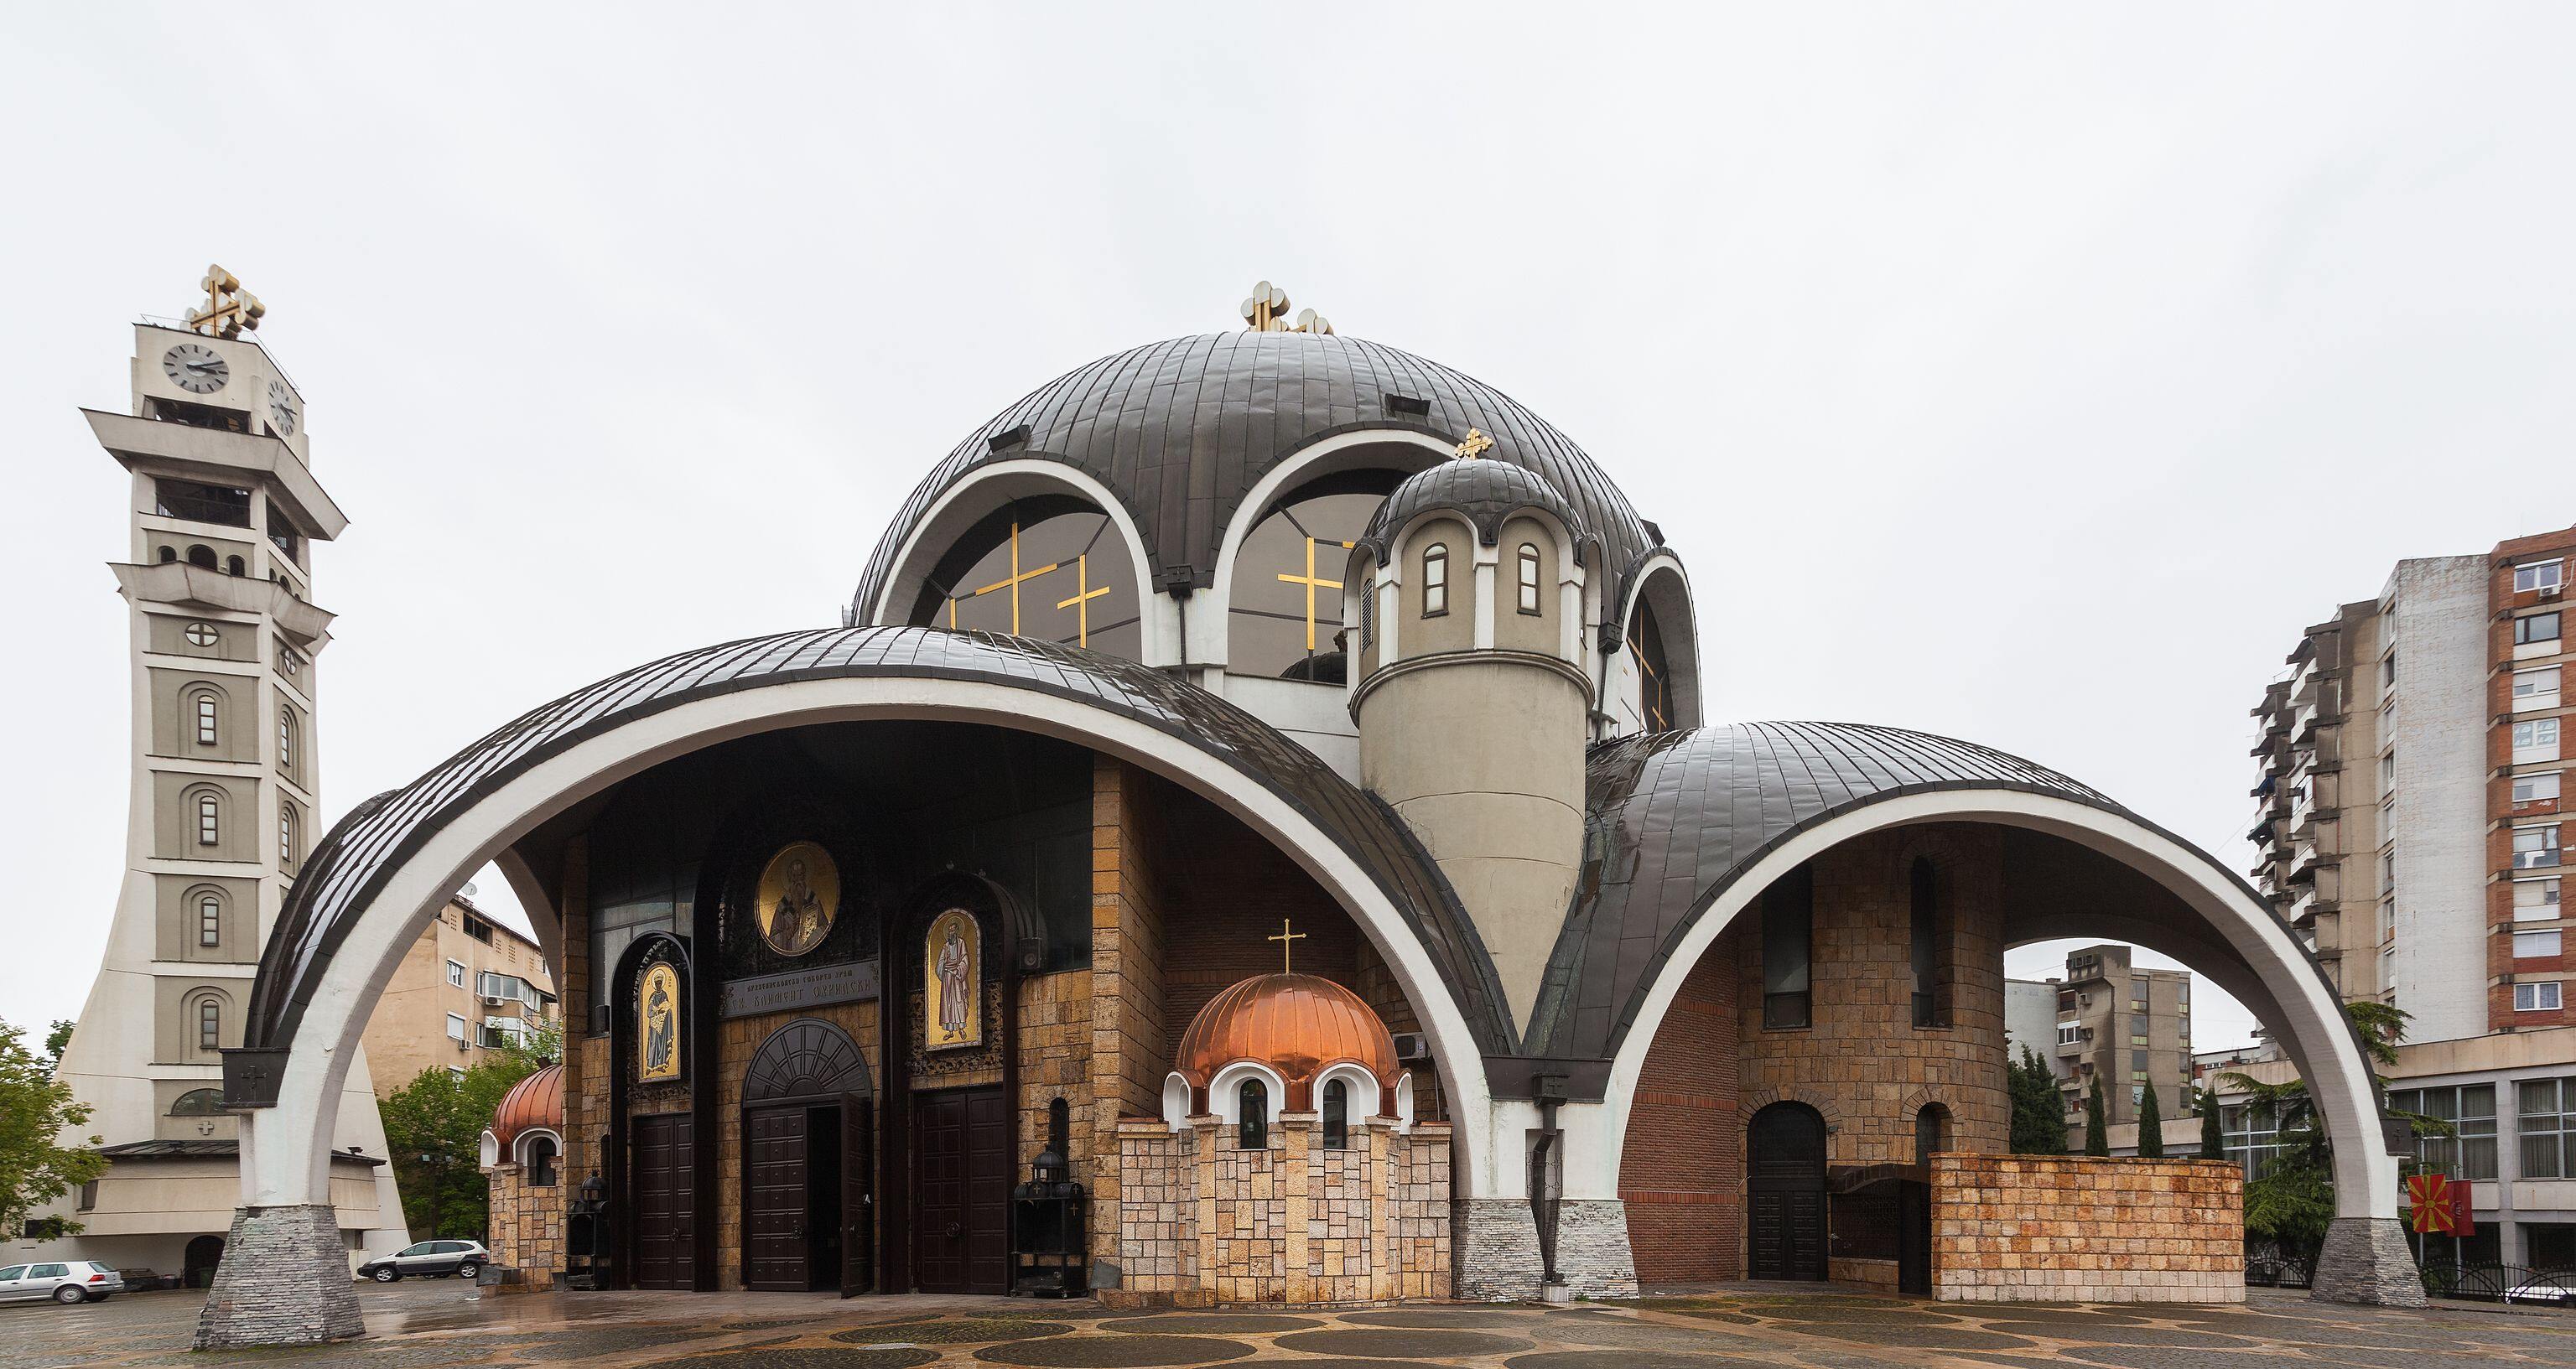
(1206, 1223)
(1130, 1043)
(527, 1229)
(2034, 1228)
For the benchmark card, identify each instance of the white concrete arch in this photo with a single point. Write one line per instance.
(286, 1147)
(1330, 456)
(989, 487)
(2339, 1077)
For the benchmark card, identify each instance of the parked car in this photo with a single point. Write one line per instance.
(440, 1258)
(66, 1282)
(2556, 1289)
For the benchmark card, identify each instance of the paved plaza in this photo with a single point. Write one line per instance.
(430, 1325)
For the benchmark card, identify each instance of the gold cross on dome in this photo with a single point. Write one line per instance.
(1013, 583)
(229, 308)
(1285, 936)
(1477, 444)
(1312, 582)
(1083, 594)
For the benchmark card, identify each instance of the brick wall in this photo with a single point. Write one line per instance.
(527, 1224)
(1681, 1168)
(2030, 1228)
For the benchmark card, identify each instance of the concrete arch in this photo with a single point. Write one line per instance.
(987, 488)
(1752, 1103)
(2235, 927)
(285, 1146)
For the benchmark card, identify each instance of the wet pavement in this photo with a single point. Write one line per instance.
(434, 1324)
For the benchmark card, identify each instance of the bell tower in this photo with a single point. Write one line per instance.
(223, 517)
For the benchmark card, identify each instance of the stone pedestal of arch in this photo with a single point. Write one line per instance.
(284, 1281)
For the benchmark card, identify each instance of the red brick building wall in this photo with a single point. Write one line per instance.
(1681, 1171)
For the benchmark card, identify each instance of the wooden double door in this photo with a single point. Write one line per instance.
(664, 1189)
(961, 1191)
(807, 1207)
(1785, 1193)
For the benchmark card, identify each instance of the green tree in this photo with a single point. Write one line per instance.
(2097, 1132)
(2151, 1126)
(35, 1109)
(434, 1127)
(55, 1040)
(2213, 1140)
(2290, 1199)
(2038, 1111)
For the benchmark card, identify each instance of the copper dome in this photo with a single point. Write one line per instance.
(533, 1103)
(1297, 1024)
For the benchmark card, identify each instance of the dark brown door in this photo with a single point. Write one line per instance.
(665, 1188)
(961, 1191)
(774, 1208)
(858, 1204)
(1785, 1183)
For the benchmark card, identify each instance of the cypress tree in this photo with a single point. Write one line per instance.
(2151, 1126)
(2038, 1110)
(2213, 1141)
(2097, 1132)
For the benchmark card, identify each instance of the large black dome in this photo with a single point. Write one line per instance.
(1180, 432)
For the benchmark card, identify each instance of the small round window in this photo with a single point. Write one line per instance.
(202, 634)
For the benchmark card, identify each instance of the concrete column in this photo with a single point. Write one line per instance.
(2365, 1260)
(284, 1280)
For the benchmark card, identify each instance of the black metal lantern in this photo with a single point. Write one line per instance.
(1048, 1226)
(586, 1234)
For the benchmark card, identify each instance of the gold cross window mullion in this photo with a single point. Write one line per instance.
(1012, 583)
(1080, 603)
(1312, 582)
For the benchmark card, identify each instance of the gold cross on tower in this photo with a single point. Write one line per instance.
(1013, 584)
(1312, 583)
(1083, 594)
(1477, 444)
(1285, 936)
(229, 308)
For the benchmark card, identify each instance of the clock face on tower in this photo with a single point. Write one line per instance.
(197, 370)
(281, 408)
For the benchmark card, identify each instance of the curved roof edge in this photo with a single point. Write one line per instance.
(1675, 818)
(351, 864)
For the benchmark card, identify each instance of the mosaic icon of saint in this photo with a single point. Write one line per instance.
(797, 923)
(799, 894)
(661, 1028)
(955, 963)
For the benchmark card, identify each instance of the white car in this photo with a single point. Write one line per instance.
(2558, 1289)
(66, 1282)
(440, 1258)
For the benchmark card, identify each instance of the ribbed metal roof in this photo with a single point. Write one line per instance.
(1486, 492)
(1180, 431)
(1675, 817)
(352, 864)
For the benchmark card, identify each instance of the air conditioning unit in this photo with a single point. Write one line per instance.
(1412, 1047)
(2552, 591)
(462, 1043)
(493, 1000)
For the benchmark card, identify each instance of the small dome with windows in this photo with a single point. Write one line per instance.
(1294, 1036)
(534, 1107)
(1486, 493)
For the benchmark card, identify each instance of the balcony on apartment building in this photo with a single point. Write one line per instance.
(2305, 861)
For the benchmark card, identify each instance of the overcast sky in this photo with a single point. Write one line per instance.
(2027, 374)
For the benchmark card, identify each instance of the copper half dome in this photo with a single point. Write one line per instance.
(533, 1104)
(1297, 1024)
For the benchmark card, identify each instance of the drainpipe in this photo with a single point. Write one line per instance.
(1175, 581)
(1546, 1181)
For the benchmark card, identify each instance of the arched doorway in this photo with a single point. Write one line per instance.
(197, 1263)
(808, 1129)
(1784, 1174)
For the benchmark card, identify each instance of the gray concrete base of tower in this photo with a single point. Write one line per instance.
(284, 1280)
(2365, 1260)
(1496, 1240)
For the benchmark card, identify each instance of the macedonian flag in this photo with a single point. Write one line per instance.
(2431, 1203)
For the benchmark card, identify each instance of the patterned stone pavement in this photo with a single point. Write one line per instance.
(421, 1325)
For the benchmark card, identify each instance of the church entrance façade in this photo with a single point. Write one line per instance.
(808, 1163)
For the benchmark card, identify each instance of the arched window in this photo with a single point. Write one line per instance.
(205, 706)
(1931, 1133)
(1788, 932)
(1435, 580)
(285, 832)
(285, 737)
(169, 554)
(1047, 566)
(1529, 579)
(202, 555)
(1337, 1115)
(1927, 944)
(199, 1102)
(540, 1160)
(1060, 1128)
(210, 1023)
(1252, 1121)
(210, 920)
(210, 813)
(1368, 609)
(233, 565)
(1284, 600)
(1654, 672)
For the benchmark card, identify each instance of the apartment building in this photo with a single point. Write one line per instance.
(469, 985)
(2115, 1021)
(2407, 824)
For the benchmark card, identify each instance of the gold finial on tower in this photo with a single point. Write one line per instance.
(1285, 936)
(1267, 311)
(1476, 445)
(230, 310)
